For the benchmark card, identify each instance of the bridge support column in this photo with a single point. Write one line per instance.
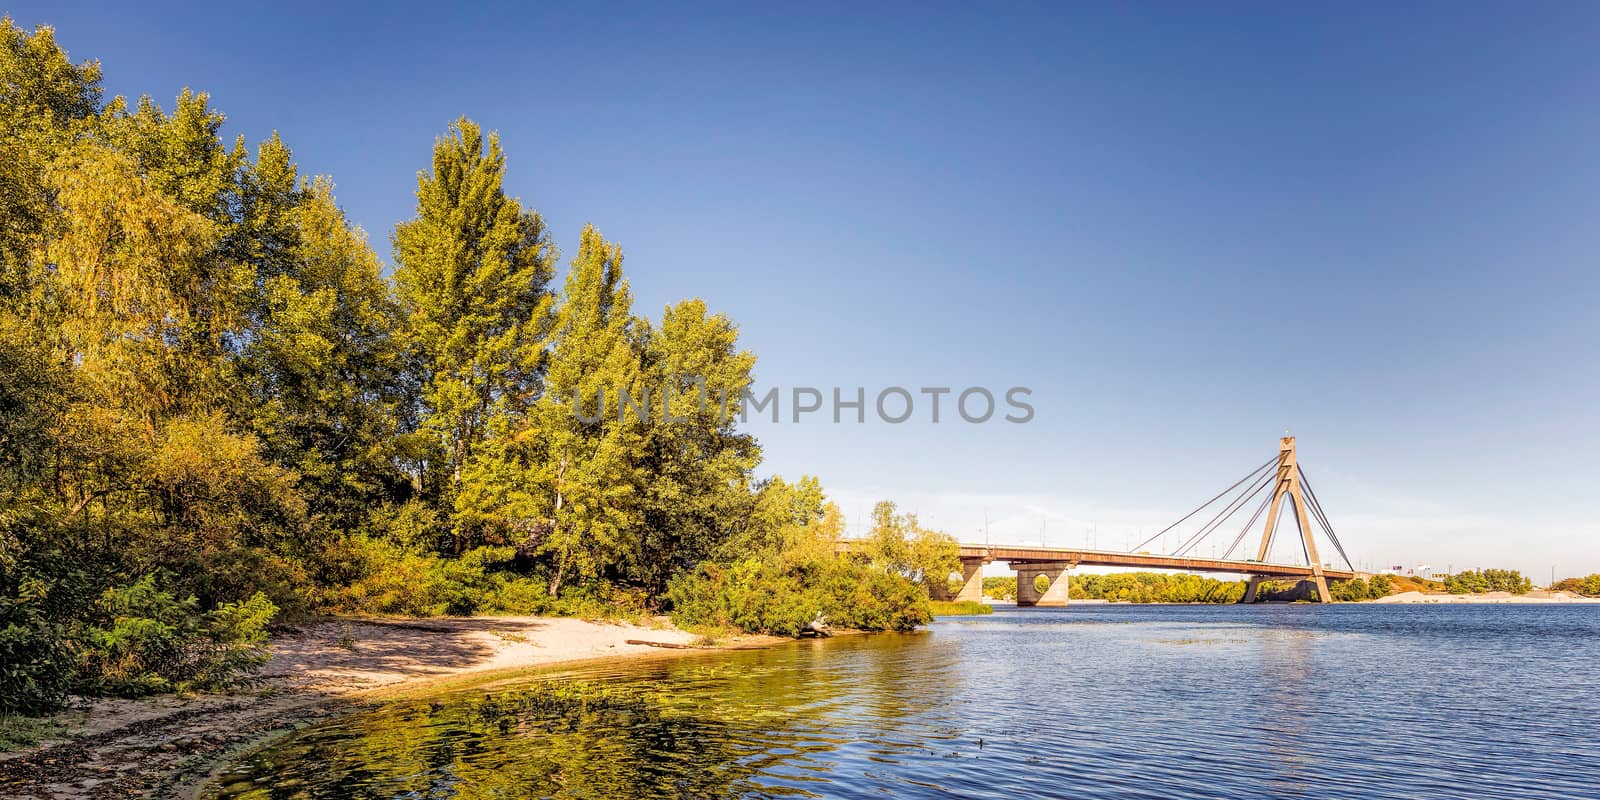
(1026, 594)
(1302, 589)
(1055, 594)
(1288, 484)
(1060, 581)
(1250, 589)
(971, 580)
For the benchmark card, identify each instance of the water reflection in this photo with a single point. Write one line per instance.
(1079, 702)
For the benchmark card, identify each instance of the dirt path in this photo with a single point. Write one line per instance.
(159, 747)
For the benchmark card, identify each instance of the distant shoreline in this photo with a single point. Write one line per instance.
(1536, 597)
(1531, 598)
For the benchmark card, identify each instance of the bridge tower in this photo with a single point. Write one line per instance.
(1288, 485)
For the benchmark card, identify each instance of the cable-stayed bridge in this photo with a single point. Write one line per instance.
(1279, 484)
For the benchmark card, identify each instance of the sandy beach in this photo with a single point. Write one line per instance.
(164, 746)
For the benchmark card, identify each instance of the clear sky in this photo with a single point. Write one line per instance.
(1185, 227)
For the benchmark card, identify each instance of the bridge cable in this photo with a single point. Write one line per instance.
(1326, 523)
(1320, 516)
(1275, 526)
(1316, 505)
(1225, 515)
(1197, 510)
(1248, 525)
(1304, 534)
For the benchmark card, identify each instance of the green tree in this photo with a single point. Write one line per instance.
(793, 575)
(562, 478)
(898, 543)
(473, 281)
(325, 376)
(1488, 580)
(699, 464)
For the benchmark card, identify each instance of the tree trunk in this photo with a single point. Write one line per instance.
(555, 580)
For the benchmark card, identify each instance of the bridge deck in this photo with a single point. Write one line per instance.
(1110, 558)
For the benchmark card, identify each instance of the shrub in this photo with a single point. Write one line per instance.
(755, 596)
(148, 641)
(387, 577)
(42, 590)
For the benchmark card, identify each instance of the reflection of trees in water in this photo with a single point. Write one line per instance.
(570, 739)
(762, 721)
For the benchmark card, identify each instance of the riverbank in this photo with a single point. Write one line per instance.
(1534, 597)
(154, 746)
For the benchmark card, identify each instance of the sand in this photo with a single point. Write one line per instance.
(164, 746)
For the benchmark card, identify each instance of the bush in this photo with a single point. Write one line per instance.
(754, 596)
(42, 591)
(387, 577)
(148, 641)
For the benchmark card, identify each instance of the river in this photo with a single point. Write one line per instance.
(1091, 701)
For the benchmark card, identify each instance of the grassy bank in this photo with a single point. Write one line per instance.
(964, 608)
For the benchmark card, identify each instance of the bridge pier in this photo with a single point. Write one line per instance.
(1060, 581)
(1250, 589)
(1302, 589)
(971, 582)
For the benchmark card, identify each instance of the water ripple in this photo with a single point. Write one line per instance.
(1091, 702)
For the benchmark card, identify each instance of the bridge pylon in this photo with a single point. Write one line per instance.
(1288, 484)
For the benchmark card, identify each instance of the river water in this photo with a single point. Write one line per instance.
(1091, 701)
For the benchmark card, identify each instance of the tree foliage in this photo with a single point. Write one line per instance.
(215, 408)
(1488, 580)
(1155, 587)
(1361, 589)
(898, 543)
(792, 577)
(1589, 585)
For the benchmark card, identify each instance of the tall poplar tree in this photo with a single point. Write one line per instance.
(473, 281)
(562, 480)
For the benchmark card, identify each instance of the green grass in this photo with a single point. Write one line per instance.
(943, 608)
(17, 733)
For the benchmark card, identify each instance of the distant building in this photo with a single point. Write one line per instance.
(1423, 571)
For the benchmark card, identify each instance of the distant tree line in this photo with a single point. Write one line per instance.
(1586, 586)
(215, 408)
(1158, 587)
(1155, 587)
(1488, 580)
(1000, 587)
(1357, 589)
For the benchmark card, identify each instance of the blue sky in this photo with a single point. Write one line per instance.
(1186, 228)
